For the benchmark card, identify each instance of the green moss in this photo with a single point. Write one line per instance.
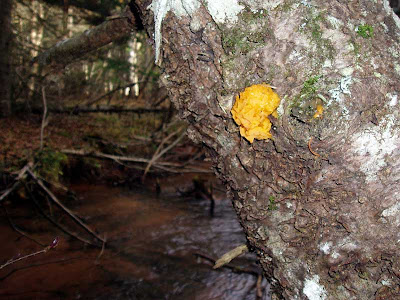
(356, 48)
(243, 39)
(324, 47)
(286, 6)
(302, 105)
(272, 204)
(363, 275)
(366, 31)
(310, 87)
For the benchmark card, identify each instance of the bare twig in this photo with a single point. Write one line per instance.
(18, 258)
(69, 212)
(157, 154)
(44, 122)
(102, 250)
(259, 291)
(58, 261)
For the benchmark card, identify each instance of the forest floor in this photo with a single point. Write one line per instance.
(120, 135)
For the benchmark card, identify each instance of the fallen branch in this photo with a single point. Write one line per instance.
(111, 92)
(21, 175)
(104, 109)
(229, 256)
(69, 212)
(163, 165)
(61, 227)
(69, 50)
(235, 269)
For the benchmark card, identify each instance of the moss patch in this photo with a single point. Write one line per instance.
(324, 48)
(236, 40)
(366, 31)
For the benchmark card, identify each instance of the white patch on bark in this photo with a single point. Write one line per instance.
(160, 9)
(221, 11)
(393, 99)
(397, 68)
(224, 10)
(335, 255)
(342, 89)
(313, 290)
(372, 146)
(391, 211)
(325, 247)
(336, 23)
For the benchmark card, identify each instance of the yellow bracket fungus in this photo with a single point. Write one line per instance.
(251, 111)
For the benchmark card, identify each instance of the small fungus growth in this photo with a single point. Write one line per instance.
(251, 111)
(320, 110)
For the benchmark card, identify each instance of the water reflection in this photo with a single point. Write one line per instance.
(150, 253)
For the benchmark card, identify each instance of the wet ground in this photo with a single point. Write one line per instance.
(151, 252)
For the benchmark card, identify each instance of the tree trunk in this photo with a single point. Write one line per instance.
(319, 202)
(5, 47)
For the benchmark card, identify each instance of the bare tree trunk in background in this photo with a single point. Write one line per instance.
(5, 47)
(320, 202)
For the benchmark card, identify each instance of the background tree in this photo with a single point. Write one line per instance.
(5, 47)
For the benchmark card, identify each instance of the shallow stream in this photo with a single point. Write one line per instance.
(152, 251)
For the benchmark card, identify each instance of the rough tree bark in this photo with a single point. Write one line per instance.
(320, 202)
(5, 46)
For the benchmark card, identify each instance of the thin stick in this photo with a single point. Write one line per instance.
(40, 264)
(156, 153)
(44, 117)
(230, 266)
(102, 250)
(309, 148)
(69, 212)
(229, 256)
(259, 292)
(19, 230)
(14, 260)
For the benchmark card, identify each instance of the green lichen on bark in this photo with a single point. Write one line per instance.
(312, 26)
(251, 32)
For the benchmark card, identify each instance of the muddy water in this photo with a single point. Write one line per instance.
(150, 253)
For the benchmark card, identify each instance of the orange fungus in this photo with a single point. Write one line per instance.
(251, 111)
(320, 110)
